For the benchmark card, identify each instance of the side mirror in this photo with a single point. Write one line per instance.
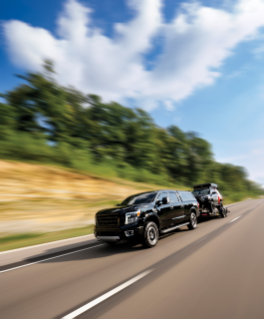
(165, 200)
(213, 193)
(158, 202)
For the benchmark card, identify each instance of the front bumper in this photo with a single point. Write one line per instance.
(117, 234)
(108, 238)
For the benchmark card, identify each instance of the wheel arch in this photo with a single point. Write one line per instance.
(153, 218)
(196, 211)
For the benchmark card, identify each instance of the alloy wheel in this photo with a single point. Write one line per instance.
(193, 220)
(152, 235)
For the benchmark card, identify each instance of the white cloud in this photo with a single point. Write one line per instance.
(169, 105)
(194, 45)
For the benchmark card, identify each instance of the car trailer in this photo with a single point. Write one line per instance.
(210, 200)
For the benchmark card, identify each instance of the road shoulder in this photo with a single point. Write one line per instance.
(12, 257)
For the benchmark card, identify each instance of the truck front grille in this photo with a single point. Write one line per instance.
(108, 221)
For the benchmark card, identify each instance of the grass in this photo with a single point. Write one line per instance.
(24, 240)
(52, 209)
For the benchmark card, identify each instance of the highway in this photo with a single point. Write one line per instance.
(215, 271)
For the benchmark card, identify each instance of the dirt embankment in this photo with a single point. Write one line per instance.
(37, 198)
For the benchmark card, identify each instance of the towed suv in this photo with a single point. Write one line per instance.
(147, 215)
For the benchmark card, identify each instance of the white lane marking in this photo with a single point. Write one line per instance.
(107, 295)
(46, 244)
(234, 219)
(40, 261)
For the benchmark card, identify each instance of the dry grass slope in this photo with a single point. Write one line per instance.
(38, 198)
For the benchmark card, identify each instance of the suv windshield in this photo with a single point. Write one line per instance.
(139, 199)
(203, 191)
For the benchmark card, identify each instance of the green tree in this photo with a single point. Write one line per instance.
(44, 121)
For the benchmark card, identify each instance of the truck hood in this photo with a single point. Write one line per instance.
(123, 209)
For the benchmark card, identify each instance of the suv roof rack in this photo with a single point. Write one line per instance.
(205, 185)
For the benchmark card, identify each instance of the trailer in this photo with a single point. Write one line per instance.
(210, 200)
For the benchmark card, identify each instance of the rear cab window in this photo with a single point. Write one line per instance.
(173, 197)
(186, 196)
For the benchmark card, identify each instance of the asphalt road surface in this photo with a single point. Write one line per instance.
(215, 271)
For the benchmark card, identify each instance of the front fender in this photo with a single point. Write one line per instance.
(152, 216)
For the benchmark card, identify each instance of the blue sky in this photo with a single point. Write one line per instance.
(198, 66)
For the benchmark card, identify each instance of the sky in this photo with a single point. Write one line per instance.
(197, 65)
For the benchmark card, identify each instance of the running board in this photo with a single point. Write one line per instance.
(173, 228)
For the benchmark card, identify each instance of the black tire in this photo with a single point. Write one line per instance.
(222, 211)
(151, 235)
(210, 207)
(192, 221)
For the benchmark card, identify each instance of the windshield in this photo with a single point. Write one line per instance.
(203, 191)
(139, 199)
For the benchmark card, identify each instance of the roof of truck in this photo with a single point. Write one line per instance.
(205, 185)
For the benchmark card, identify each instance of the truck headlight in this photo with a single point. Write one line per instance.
(132, 217)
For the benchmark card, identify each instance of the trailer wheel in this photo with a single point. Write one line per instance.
(211, 207)
(222, 211)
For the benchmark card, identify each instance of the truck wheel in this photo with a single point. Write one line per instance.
(193, 221)
(151, 235)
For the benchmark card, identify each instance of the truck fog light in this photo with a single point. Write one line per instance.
(129, 233)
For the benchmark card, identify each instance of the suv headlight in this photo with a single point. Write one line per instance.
(132, 217)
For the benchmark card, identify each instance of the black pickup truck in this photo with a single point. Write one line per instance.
(145, 216)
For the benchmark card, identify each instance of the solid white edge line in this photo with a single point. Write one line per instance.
(107, 295)
(42, 260)
(234, 219)
(49, 243)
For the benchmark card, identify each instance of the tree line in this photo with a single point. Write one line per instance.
(42, 121)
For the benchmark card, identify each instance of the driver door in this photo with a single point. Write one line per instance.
(177, 209)
(163, 210)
